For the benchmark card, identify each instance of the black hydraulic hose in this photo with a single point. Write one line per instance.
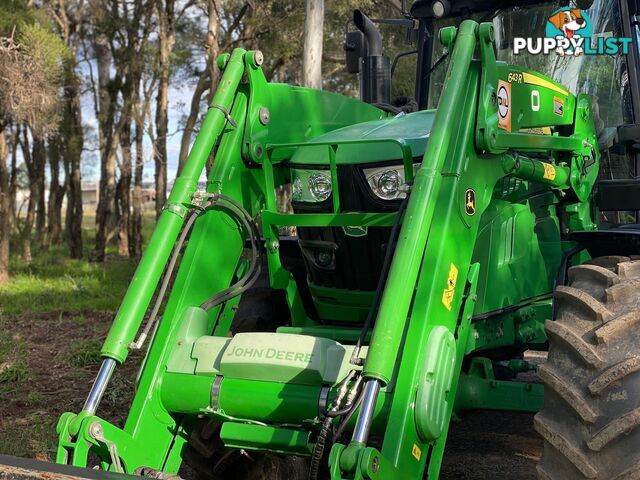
(229, 292)
(318, 449)
(366, 26)
(393, 237)
(255, 267)
(348, 416)
(168, 274)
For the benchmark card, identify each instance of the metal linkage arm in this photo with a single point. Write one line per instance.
(152, 264)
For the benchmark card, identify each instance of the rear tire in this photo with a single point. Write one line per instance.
(590, 422)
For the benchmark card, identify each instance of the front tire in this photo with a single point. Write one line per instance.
(590, 422)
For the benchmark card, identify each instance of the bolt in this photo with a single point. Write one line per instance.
(375, 464)
(258, 150)
(264, 115)
(258, 58)
(275, 245)
(95, 430)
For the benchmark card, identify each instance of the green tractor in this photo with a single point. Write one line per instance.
(431, 248)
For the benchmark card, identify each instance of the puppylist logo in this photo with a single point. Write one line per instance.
(569, 31)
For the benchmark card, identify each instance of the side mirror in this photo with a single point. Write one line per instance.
(355, 47)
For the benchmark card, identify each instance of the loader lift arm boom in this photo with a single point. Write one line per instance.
(420, 334)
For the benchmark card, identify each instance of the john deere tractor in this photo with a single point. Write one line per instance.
(428, 244)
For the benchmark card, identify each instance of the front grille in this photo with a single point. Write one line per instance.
(335, 259)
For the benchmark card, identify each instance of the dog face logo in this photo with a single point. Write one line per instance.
(568, 21)
(571, 27)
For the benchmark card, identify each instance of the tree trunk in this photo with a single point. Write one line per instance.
(135, 230)
(5, 225)
(208, 80)
(56, 195)
(38, 181)
(13, 179)
(312, 53)
(194, 112)
(125, 189)
(105, 212)
(74, 141)
(27, 227)
(166, 41)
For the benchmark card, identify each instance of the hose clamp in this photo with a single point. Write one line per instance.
(323, 400)
(177, 209)
(215, 392)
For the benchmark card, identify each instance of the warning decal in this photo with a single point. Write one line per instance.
(549, 171)
(447, 295)
(504, 105)
(558, 106)
(416, 452)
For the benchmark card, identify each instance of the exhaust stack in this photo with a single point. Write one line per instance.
(375, 68)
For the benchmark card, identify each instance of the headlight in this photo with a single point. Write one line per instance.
(386, 182)
(311, 186)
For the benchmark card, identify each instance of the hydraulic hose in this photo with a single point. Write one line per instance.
(255, 266)
(335, 411)
(167, 277)
(388, 256)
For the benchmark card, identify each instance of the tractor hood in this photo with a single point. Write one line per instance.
(376, 141)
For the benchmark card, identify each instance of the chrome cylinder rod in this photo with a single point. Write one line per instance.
(99, 386)
(363, 426)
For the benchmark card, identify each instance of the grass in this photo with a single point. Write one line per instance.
(13, 356)
(54, 282)
(83, 353)
(54, 315)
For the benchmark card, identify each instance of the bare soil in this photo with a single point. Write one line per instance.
(58, 355)
(489, 444)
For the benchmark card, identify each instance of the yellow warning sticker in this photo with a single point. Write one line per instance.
(416, 452)
(549, 171)
(447, 295)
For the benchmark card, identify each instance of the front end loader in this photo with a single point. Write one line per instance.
(427, 246)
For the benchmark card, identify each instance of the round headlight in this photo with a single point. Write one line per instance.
(320, 186)
(389, 184)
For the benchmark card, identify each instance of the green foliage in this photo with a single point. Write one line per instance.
(15, 14)
(46, 48)
(53, 282)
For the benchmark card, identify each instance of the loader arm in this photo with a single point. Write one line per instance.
(270, 392)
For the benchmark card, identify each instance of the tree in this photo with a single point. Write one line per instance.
(30, 59)
(165, 10)
(312, 49)
(69, 18)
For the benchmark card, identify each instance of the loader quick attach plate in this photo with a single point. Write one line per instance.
(273, 357)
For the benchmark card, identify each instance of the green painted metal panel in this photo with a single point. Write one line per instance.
(413, 129)
(266, 438)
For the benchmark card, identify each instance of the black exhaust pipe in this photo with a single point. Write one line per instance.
(375, 68)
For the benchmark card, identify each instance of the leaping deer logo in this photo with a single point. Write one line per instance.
(470, 202)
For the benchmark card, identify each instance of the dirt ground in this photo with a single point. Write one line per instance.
(47, 364)
(48, 361)
(492, 445)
